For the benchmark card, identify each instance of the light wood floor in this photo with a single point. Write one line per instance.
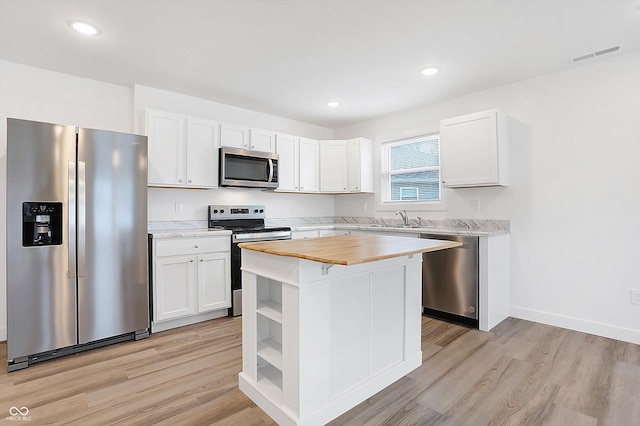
(520, 373)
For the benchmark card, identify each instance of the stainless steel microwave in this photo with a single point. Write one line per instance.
(248, 169)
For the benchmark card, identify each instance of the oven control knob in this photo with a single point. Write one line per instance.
(261, 211)
(215, 211)
(221, 210)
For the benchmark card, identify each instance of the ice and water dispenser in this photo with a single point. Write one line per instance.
(41, 224)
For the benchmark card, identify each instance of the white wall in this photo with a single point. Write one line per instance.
(41, 95)
(574, 198)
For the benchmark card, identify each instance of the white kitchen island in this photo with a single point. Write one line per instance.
(328, 322)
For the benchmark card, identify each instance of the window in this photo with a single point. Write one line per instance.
(411, 170)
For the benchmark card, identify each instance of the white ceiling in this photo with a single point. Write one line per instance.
(289, 57)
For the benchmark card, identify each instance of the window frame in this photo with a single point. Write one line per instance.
(384, 201)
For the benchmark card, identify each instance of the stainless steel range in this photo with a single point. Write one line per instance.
(246, 224)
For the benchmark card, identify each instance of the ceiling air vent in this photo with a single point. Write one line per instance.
(596, 54)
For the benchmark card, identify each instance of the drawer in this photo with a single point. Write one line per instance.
(179, 246)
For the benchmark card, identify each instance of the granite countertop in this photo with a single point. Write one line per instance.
(349, 249)
(473, 227)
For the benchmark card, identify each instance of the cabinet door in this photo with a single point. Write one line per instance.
(202, 153)
(262, 140)
(234, 136)
(166, 137)
(309, 170)
(470, 152)
(354, 166)
(360, 165)
(333, 166)
(174, 287)
(214, 281)
(287, 150)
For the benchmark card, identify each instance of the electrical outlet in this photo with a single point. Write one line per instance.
(635, 297)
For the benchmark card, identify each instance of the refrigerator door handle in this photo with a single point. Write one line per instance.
(82, 219)
(72, 220)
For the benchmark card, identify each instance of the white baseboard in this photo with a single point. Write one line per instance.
(592, 327)
(3, 334)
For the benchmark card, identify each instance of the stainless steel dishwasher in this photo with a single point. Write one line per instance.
(450, 280)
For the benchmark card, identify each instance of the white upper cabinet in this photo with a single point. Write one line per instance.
(333, 166)
(202, 153)
(474, 150)
(262, 140)
(234, 136)
(182, 150)
(298, 160)
(166, 140)
(288, 163)
(309, 165)
(346, 165)
(360, 165)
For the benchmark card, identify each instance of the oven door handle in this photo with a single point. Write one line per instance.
(248, 238)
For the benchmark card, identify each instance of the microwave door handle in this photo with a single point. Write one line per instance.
(270, 170)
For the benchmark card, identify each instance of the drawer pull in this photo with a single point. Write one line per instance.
(196, 246)
(191, 260)
(201, 260)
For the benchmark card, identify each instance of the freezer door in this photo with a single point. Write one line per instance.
(113, 290)
(41, 291)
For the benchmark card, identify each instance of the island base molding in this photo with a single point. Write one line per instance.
(316, 345)
(335, 408)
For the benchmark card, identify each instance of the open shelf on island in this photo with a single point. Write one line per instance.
(270, 309)
(271, 351)
(270, 381)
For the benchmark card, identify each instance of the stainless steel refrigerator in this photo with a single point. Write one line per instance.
(76, 240)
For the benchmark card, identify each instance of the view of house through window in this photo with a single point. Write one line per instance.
(413, 169)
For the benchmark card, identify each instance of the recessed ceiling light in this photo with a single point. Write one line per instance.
(429, 71)
(84, 28)
(333, 104)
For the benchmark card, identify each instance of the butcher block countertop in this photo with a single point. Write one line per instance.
(349, 249)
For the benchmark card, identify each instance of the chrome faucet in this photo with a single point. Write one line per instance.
(403, 214)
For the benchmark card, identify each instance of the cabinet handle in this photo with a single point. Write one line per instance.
(196, 246)
(180, 180)
(201, 260)
(191, 260)
(189, 181)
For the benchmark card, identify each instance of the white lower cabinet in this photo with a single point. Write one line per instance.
(191, 280)
(174, 287)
